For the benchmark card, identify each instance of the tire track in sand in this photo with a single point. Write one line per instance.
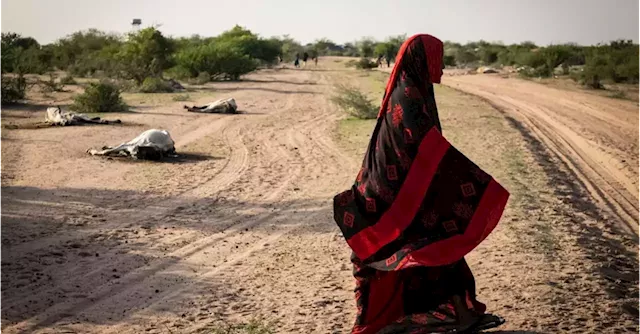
(612, 191)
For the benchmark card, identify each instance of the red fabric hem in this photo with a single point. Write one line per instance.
(452, 249)
(407, 203)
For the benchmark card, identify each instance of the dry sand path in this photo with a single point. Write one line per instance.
(112, 246)
(595, 137)
(242, 227)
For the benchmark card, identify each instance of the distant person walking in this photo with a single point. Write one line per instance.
(296, 63)
(305, 56)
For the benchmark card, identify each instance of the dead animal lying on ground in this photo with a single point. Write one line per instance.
(149, 145)
(222, 106)
(55, 116)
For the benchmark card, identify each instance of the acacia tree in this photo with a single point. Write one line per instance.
(145, 54)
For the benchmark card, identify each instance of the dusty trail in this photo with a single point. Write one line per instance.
(596, 137)
(242, 228)
(270, 172)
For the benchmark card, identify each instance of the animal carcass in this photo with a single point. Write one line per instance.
(150, 145)
(55, 116)
(222, 106)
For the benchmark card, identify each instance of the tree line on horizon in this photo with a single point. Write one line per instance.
(144, 57)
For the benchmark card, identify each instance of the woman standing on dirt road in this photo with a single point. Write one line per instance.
(418, 206)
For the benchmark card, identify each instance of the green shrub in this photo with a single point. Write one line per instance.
(13, 89)
(145, 54)
(354, 102)
(366, 64)
(100, 97)
(264, 51)
(219, 62)
(182, 97)
(449, 60)
(155, 85)
(351, 63)
(177, 73)
(51, 85)
(68, 80)
(203, 78)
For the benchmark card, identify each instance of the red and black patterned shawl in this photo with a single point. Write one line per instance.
(417, 201)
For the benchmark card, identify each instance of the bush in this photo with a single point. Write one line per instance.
(218, 61)
(265, 51)
(155, 85)
(51, 85)
(351, 63)
(362, 64)
(68, 80)
(13, 89)
(177, 73)
(203, 78)
(182, 97)
(617, 62)
(365, 64)
(354, 102)
(100, 97)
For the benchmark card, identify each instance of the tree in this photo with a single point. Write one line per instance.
(145, 54)
(81, 52)
(323, 46)
(365, 46)
(350, 50)
(288, 47)
(248, 43)
(11, 88)
(464, 56)
(388, 50)
(215, 59)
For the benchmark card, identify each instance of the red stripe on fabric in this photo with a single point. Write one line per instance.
(407, 203)
(452, 249)
(384, 303)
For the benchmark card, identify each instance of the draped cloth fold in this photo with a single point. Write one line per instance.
(418, 205)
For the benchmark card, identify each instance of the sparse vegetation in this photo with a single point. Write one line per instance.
(362, 64)
(50, 86)
(156, 85)
(100, 97)
(182, 97)
(252, 327)
(13, 89)
(354, 102)
(68, 80)
(149, 54)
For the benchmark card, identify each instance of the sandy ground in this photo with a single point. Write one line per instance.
(595, 137)
(241, 228)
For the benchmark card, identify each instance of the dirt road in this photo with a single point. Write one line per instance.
(241, 227)
(595, 137)
(88, 243)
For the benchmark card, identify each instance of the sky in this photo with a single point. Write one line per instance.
(510, 21)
